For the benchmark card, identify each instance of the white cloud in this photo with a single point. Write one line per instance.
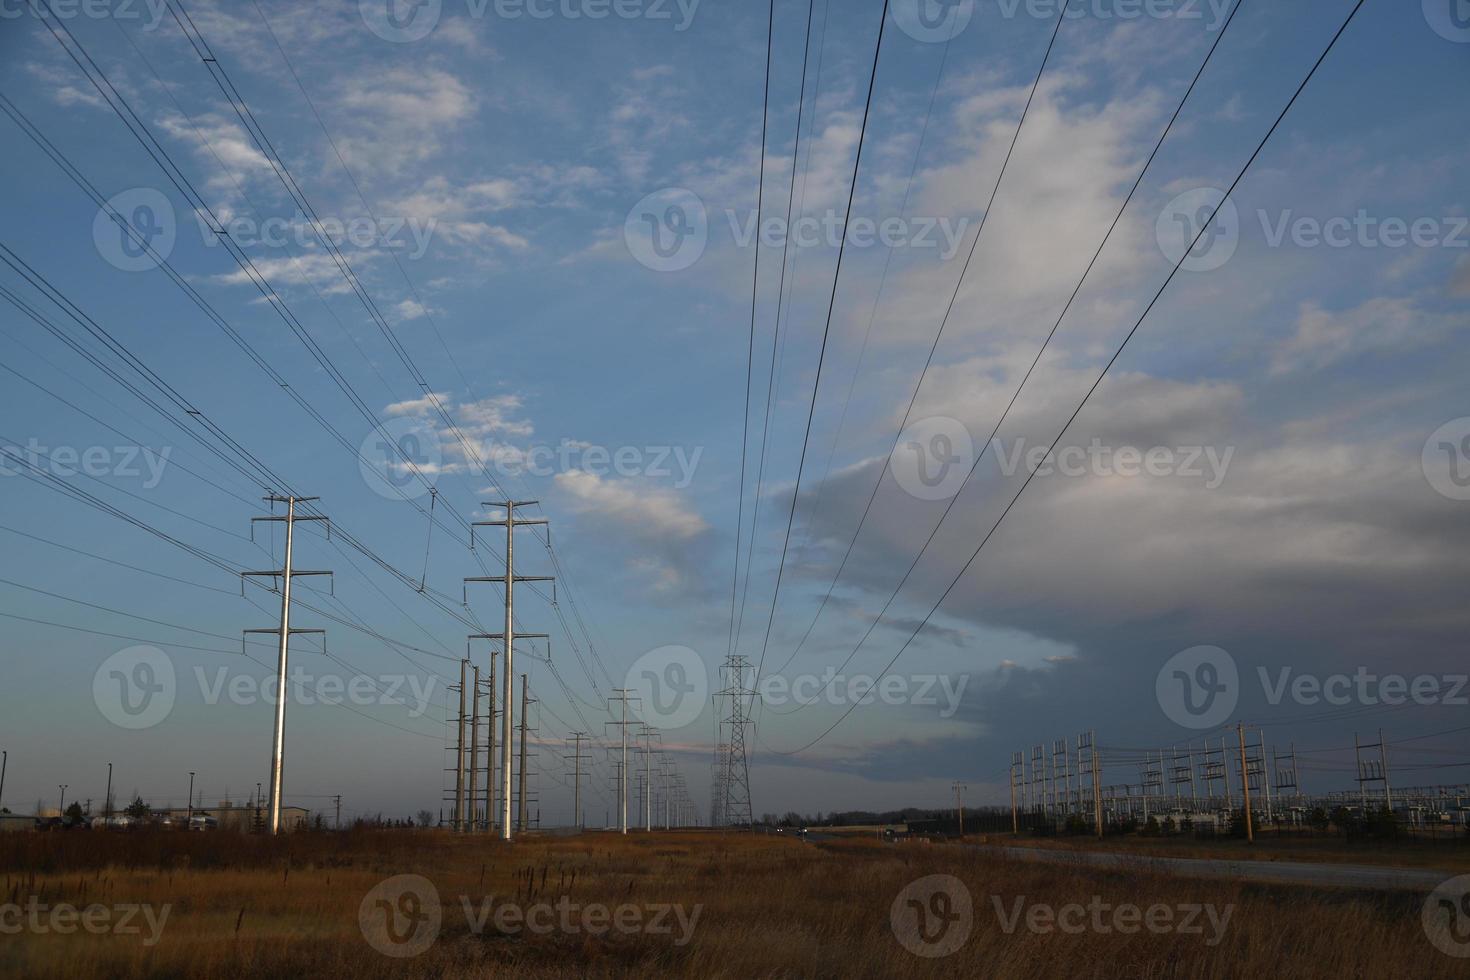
(644, 510)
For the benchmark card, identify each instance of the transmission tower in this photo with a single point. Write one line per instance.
(736, 776)
(509, 580)
(285, 631)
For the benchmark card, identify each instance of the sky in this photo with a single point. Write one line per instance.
(554, 227)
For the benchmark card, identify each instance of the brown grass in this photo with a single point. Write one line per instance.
(772, 907)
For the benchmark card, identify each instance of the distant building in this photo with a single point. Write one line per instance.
(16, 821)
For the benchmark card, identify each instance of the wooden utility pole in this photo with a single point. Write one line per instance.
(1245, 785)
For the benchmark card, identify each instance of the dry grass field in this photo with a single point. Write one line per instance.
(1447, 853)
(690, 904)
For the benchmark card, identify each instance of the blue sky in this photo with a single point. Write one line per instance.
(518, 155)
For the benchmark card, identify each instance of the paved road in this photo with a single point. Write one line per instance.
(1363, 876)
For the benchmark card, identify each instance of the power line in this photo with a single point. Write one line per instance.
(1113, 360)
(826, 332)
(1015, 396)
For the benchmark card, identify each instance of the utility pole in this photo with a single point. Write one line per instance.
(286, 573)
(474, 823)
(647, 734)
(1097, 807)
(509, 579)
(526, 700)
(578, 738)
(338, 801)
(1015, 820)
(106, 800)
(623, 699)
(191, 802)
(1245, 784)
(490, 748)
(61, 807)
(959, 806)
(459, 753)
